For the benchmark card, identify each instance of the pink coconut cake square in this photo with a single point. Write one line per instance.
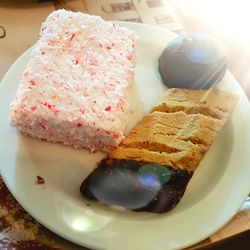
(76, 85)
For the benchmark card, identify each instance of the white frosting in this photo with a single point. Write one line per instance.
(80, 74)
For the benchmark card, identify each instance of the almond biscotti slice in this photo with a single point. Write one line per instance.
(196, 128)
(212, 103)
(152, 166)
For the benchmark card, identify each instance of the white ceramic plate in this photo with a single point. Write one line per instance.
(215, 193)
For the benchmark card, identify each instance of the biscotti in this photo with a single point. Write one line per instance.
(161, 152)
(75, 88)
(180, 129)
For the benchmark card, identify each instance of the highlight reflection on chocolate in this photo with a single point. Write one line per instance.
(200, 57)
(137, 186)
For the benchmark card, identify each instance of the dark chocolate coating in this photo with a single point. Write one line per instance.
(194, 61)
(137, 186)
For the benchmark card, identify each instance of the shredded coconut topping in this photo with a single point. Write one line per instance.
(80, 71)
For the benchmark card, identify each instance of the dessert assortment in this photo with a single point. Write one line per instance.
(76, 90)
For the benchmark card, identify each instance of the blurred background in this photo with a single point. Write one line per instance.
(228, 20)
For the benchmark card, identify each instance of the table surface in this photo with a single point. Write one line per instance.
(19, 28)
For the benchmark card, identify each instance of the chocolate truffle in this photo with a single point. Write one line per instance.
(195, 61)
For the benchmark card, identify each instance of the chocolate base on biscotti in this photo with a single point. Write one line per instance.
(136, 185)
